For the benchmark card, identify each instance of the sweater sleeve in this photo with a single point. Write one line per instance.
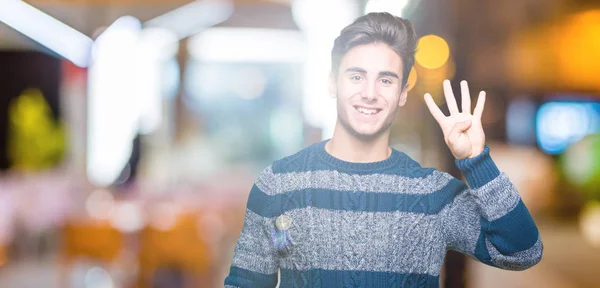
(489, 221)
(255, 261)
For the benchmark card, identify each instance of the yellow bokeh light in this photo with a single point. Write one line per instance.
(574, 54)
(589, 223)
(432, 52)
(577, 48)
(412, 78)
(36, 140)
(430, 80)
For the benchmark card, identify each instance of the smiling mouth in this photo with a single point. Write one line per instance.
(367, 111)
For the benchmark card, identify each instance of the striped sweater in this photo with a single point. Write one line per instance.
(323, 222)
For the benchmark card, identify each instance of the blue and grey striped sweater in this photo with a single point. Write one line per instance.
(324, 222)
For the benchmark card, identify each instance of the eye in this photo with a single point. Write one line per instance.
(355, 78)
(386, 81)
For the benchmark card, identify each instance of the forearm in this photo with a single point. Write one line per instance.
(508, 232)
(509, 237)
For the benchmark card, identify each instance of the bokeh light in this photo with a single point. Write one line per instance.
(520, 122)
(561, 123)
(100, 204)
(412, 78)
(430, 80)
(433, 52)
(581, 165)
(574, 54)
(164, 216)
(577, 50)
(589, 224)
(127, 217)
(97, 277)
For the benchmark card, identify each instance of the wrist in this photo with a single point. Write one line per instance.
(478, 170)
(477, 152)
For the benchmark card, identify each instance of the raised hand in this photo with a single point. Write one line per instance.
(463, 131)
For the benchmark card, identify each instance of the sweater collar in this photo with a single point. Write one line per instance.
(340, 164)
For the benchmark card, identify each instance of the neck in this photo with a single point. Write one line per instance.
(348, 147)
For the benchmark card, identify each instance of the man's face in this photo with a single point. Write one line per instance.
(368, 90)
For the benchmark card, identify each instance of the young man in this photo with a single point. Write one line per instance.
(353, 212)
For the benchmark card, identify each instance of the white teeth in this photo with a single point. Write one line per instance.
(366, 111)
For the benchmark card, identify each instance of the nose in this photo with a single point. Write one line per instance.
(370, 91)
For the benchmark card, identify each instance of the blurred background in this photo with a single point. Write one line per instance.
(131, 131)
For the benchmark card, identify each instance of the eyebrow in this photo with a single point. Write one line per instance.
(389, 74)
(382, 73)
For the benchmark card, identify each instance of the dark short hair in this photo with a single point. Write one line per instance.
(382, 27)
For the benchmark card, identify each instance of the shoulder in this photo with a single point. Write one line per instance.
(270, 176)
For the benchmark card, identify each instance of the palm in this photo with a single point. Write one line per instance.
(463, 131)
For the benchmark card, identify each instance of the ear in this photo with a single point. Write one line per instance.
(403, 95)
(332, 85)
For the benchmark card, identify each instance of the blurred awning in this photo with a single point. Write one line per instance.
(87, 16)
(138, 2)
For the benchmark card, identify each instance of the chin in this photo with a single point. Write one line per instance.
(367, 134)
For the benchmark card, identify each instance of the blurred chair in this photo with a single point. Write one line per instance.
(93, 240)
(176, 248)
(3, 256)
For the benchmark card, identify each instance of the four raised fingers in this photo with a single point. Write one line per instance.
(450, 100)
